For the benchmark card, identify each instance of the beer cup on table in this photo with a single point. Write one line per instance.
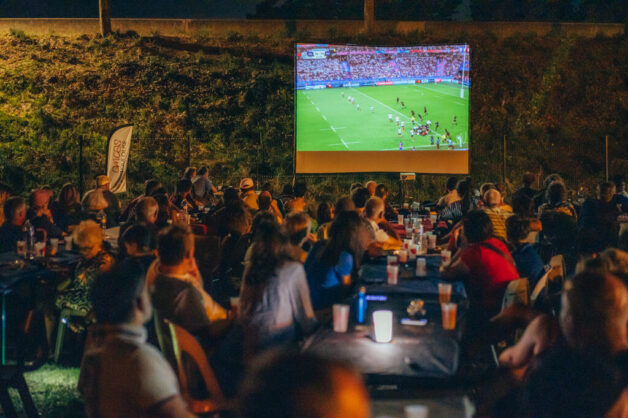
(414, 250)
(21, 248)
(448, 310)
(392, 274)
(391, 260)
(68, 242)
(54, 246)
(421, 267)
(400, 219)
(40, 249)
(403, 256)
(444, 292)
(431, 241)
(445, 257)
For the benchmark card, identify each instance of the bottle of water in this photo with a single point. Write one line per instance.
(361, 308)
(28, 231)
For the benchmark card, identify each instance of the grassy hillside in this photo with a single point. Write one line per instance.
(232, 102)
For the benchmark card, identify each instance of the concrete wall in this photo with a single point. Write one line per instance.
(312, 29)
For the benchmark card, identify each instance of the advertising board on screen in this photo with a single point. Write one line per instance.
(382, 109)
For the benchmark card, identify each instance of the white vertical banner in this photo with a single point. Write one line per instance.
(118, 146)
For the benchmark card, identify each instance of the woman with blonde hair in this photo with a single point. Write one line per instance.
(74, 293)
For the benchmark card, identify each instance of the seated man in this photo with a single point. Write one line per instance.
(122, 375)
(291, 385)
(40, 214)
(177, 287)
(113, 204)
(374, 214)
(11, 229)
(496, 213)
(248, 195)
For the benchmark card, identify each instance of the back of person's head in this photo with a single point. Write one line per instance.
(594, 312)
(140, 236)
(374, 208)
(183, 186)
(94, 200)
(345, 204)
(175, 244)
(492, 197)
(354, 186)
(150, 186)
(230, 195)
(477, 226)
(552, 178)
(324, 212)
(360, 196)
(115, 292)
(296, 227)
(502, 188)
(270, 249)
(267, 187)
(262, 216)
(264, 200)
(69, 195)
(485, 187)
(237, 218)
(39, 198)
(12, 206)
(381, 190)
(556, 193)
(344, 235)
(617, 262)
(300, 189)
(517, 229)
(606, 191)
(451, 183)
(287, 190)
(523, 205)
(568, 383)
(189, 173)
(159, 190)
(619, 181)
(88, 234)
(146, 210)
(528, 179)
(371, 186)
(301, 385)
(203, 170)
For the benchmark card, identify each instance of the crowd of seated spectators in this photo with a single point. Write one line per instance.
(282, 261)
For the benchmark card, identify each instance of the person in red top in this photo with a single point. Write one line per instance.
(485, 264)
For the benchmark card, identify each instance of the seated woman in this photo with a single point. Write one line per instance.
(140, 245)
(330, 263)
(145, 214)
(556, 196)
(528, 262)
(67, 208)
(234, 246)
(74, 293)
(167, 212)
(275, 306)
(182, 196)
(94, 205)
(485, 265)
(297, 228)
(11, 229)
(324, 216)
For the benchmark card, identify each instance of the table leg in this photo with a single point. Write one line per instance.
(4, 328)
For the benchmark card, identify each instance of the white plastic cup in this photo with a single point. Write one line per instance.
(68, 243)
(400, 219)
(414, 250)
(382, 325)
(341, 317)
(392, 275)
(416, 411)
(433, 219)
(234, 304)
(406, 222)
(403, 256)
(391, 260)
(40, 249)
(421, 267)
(406, 244)
(54, 245)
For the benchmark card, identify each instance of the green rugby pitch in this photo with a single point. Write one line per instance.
(326, 121)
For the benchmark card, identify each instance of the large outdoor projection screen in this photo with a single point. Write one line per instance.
(382, 109)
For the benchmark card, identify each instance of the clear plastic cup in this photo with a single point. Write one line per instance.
(414, 250)
(444, 292)
(431, 241)
(403, 256)
(416, 411)
(54, 246)
(21, 248)
(445, 257)
(391, 260)
(341, 317)
(392, 274)
(400, 219)
(40, 249)
(448, 310)
(421, 267)
(382, 325)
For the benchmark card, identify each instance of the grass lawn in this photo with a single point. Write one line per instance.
(327, 121)
(54, 392)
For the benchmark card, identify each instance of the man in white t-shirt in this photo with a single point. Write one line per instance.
(374, 214)
(121, 375)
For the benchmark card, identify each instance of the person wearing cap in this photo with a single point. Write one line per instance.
(247, 192)
(113, 204)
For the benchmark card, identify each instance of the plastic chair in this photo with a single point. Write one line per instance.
(517, 293)
(184, 343)
(64, 317)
